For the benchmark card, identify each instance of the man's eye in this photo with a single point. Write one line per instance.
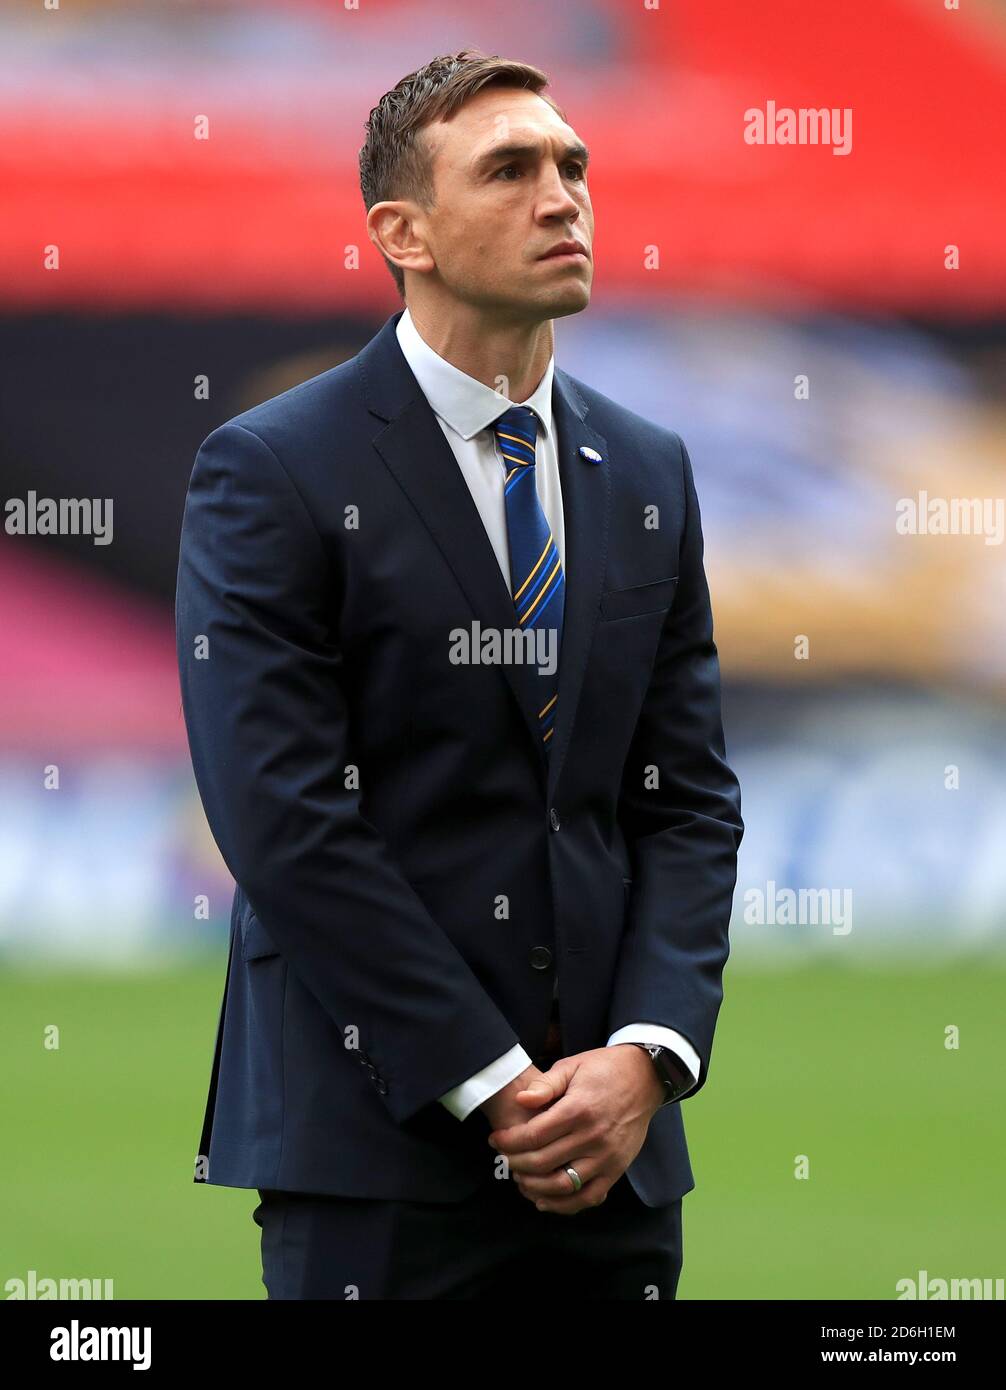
(578, 172)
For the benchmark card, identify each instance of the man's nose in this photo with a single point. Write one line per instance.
(555, 192)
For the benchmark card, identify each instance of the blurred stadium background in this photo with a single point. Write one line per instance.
(226, 258)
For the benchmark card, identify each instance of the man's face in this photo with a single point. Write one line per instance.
(510, 183)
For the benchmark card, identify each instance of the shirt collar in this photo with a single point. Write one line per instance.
(467, 405)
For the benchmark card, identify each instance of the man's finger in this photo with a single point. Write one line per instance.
(540, 1091)
(556, 1183)
(557, 1078)
(591, 1194)
(549, 1158)
(547, 1127)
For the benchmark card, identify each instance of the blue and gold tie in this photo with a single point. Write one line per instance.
(536, 578)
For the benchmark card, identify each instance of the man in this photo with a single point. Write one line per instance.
(452, 697)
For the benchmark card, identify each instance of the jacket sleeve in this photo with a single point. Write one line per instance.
(260, 669)
(680, 811)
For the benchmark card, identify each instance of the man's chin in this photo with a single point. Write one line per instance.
(561, 300)
(573, 301)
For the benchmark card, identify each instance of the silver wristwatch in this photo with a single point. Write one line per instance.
(672, 1071)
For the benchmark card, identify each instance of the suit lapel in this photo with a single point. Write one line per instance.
(413, 447)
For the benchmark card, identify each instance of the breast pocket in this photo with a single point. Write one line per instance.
(256, 943)
(655, 597)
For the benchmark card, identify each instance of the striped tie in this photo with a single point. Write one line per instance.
(536, 576)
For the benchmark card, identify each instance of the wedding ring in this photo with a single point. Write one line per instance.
(574, 1178)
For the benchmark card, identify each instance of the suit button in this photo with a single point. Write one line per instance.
(553, 819)
(541, 957)
(382, 1086)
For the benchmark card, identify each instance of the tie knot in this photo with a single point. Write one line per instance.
(517, 430)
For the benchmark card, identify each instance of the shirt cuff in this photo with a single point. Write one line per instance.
(666, 1037)
(462, 1100)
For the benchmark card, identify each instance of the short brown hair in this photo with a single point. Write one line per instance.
(392, 164)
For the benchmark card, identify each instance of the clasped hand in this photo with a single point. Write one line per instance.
(590, 1111)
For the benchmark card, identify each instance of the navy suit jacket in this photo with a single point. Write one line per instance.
(402, 847)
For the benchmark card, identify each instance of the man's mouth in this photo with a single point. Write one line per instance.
(566, 250)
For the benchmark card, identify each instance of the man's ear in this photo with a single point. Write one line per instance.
(391, 226)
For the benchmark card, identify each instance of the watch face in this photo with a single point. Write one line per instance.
(670, 1069)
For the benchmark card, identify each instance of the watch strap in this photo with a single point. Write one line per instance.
(676, 1077)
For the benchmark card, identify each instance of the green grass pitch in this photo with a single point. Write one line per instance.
(904, 1138)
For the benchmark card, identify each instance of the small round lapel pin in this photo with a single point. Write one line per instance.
(591, 455)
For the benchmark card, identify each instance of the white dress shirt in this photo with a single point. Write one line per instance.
(465, 410)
